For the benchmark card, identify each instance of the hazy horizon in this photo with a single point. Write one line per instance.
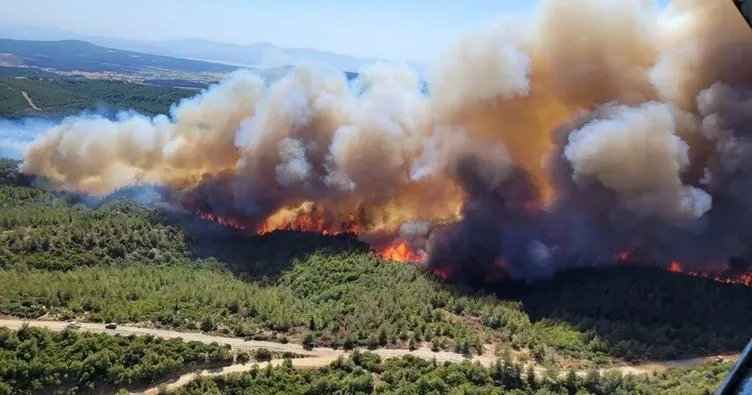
(392, 30)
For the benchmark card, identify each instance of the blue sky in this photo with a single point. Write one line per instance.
(391, 29)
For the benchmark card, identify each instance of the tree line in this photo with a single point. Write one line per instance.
(34, 360)
(365, 373)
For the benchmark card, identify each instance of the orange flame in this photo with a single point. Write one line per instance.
(309, 218)
(302, 223)
(401, 252)
(717, 275)
(742, 278)
(351, 225)
(228, 222)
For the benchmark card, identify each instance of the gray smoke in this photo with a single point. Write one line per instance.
(585, 131)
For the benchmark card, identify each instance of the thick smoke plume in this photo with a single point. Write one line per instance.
(588, 131)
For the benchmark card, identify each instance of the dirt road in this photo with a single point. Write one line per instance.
(318, 357)
(242, 344)
(177, 382)
(28, 100)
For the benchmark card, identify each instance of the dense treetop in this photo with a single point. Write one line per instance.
(33, 359)
(73, 256)
(367, 373)
(56, 97)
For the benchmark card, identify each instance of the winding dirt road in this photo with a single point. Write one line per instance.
(249, 345)
(28, 100)
(318, 357)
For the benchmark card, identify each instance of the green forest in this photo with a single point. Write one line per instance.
(133, 259)
(125, 262)
(33, 359)
(69, 55)
(55, 96)
(365, 373)
(69, 256)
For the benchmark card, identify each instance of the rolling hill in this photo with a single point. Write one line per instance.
(261, 54)
(73, 55)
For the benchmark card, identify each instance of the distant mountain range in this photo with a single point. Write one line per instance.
(259, 55)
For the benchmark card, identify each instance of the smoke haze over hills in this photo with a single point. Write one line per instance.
(593, 130)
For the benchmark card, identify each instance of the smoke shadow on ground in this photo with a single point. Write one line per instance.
(639, 312)
(258, 257)
(248, 255)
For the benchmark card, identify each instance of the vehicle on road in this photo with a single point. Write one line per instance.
(111, 325)
(73, 324)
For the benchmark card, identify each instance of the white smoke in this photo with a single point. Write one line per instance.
(17, 136)
(380, 145)
(636, 153)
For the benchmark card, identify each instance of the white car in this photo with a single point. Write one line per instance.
(73, 324)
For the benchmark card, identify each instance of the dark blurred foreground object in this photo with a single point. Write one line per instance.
(745, 7)
(739, 380)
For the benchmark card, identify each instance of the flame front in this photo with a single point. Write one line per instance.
(401, 252)
(228, 222)
(720, 274)
(553, 140)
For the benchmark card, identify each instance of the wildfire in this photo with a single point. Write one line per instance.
(302, 223)
(228, 222)
(310, 217)
(305, 222)
(743, 278)
(351, 225)
(401, 252)
(720, 275)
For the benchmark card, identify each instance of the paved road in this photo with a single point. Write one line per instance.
(318, 357)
